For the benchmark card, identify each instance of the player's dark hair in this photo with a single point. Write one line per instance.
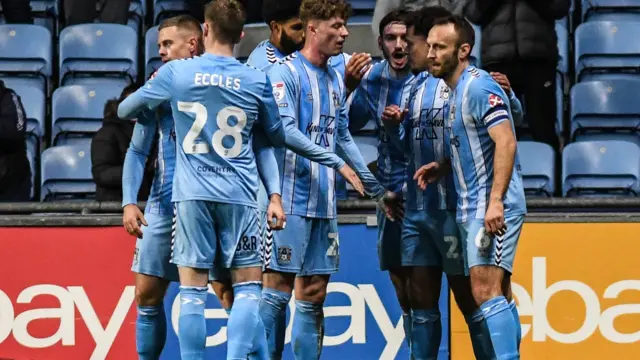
(280, 10)
(464, 30)
(324, 10)
(185, 22)
(395, 16)
(423, 19)
(226, 19)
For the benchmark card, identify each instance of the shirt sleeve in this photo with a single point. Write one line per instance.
(348, 150)
(284, 90)
(358, 106)
(266, 161)
(516, 108)
(154, 92)
(301, 145)
(135, 160)
(269, 116)
(486, 102)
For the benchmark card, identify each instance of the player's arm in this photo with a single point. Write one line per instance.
(348, 150)
(397, 124)
(269, 116)
(133, 171)
(488, 108)
(154, 92)
(270, 176)
(284, 89)
(514, 104)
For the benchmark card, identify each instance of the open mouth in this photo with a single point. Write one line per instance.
(398, 59)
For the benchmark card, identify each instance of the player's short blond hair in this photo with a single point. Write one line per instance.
(324, 10)
(226, 19)
(185, 22)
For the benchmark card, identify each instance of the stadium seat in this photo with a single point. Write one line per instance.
(151, 57)
(66, 173)
(25, 55)
(594, 168)
(32, 165)
(98, 54)
(77, 112)
(475, 52)
(44, 12)
(538, 168)
(559, 105)
(137, 12)
(563, 48)
(368, 146)
(610, 10)
(253, 35)
(164, 9)
(363, 6)
(607, 50)
(361, 39)
(34, 102)
(606, 107)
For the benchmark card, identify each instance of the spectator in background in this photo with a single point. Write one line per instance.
(383, 7)
(108, 150)
(519, 40)
(17, 11)
(85, 11)
(15, 172)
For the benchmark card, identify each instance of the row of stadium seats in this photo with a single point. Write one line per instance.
(590, 168)
(600, 110)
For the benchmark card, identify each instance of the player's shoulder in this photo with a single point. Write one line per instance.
(481, 83)
(285, 67)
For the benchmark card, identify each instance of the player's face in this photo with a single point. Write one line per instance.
(291, 35)
(443, 50)
(393, 44)
(331, 35)
(418, 51)
(174, 43)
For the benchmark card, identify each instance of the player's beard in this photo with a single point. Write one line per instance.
(448, 66)
(287, 44)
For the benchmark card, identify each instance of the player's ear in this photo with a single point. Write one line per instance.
(380, 42)
(274, 26)
(241, 35)
(205, 30)
(463, 51)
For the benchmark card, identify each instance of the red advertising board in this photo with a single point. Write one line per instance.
(66, 293)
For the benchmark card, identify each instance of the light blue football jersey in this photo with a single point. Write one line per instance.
(149, 125)
(315, 99)
(479, 104)
(424, 129)
(216, 101)
(378, 89)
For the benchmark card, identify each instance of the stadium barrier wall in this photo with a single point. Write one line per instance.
(67, 291)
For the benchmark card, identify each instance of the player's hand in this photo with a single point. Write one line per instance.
(392, 205)
(132, 218)
(427, 174)
(352, 178)
(502, 80)
(275, 213)
(394, 115)
(494, 218)
(355, 69)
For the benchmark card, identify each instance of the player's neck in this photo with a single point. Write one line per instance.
(314, 56)
(275, 41)
(218, 48)
(452, 80)
(395, 74)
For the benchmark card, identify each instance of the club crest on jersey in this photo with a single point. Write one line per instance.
(278, 91)
(452, 112)
(444, 93)
(495, 100)
(336, 101)
(284, 255)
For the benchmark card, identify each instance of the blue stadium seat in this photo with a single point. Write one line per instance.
(253, 35)
(368, 146)
(77, 112)
(559, 105)
(594, 168)
(563, 48)
(152, 59)
(34, 102)
(98, 54)
(362, 6)
(610, 10)
(361, 39)
(475, 52)
(606, 107)
(25, 55)
(137, 12)
(163, 9)
(538, 168)
(607, 50)
(32, 164)
(66, 173)
(44, 12)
